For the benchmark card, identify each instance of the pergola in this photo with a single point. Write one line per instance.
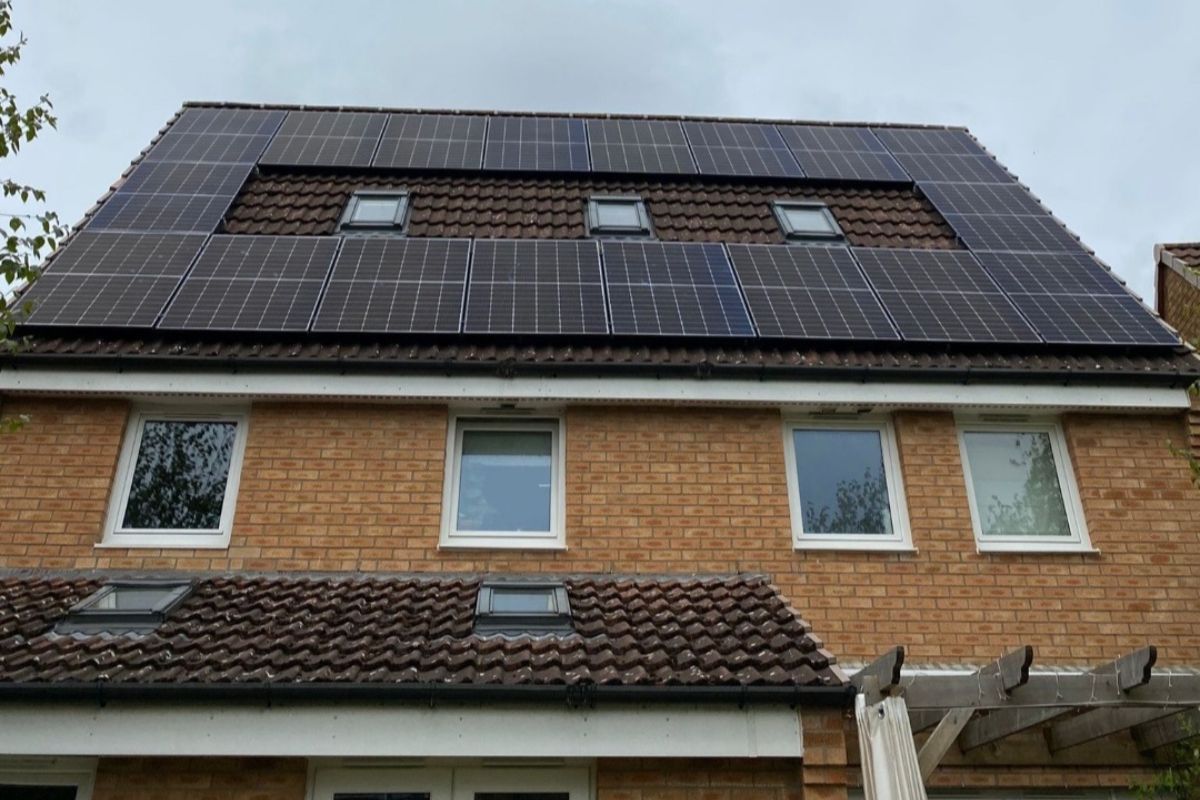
(1008, 696)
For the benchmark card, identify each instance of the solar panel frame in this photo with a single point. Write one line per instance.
(382, 284)
(431, 141)
(326, 139)
(841, 153)
(253, 283)
(527, 286)
(557, 144)
(673, 289)
(740, 149)
(639, 146)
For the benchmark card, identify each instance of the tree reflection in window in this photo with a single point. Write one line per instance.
(180, 475)
(1016, 486)
(843, 487)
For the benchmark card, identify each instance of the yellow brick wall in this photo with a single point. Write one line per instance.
(1180, 303)
(653, 490)
(200, 779)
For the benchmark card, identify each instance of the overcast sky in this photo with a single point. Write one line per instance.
(1092, 104)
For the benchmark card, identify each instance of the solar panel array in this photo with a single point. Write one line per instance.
(741, 148)
(326, 139)
(557, 144)
(841, 153)
(538, 287)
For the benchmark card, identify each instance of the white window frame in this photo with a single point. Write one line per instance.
(346, 780)
(452, 782)
(77, 772)
(555, 538)
(1078, 541)
(901, 537)
(116, 536)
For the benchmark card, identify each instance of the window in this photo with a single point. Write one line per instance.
(618, 215)
(372, 210)
(844, 478)
(1020, 487)
(124, 607)
(47, 779)
(177, 480)
(522, 608)
(504, 484)
(807, 220)
(515, 781)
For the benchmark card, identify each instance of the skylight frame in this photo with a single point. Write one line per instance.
(489, 621)
(791, 233)
(399, 222)
(643, 229)
(85, 617)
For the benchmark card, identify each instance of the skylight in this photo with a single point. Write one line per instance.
(376, 211)
(528, 608)
(806, 220)
(124, 607)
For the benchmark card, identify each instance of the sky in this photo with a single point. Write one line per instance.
(1091, 104)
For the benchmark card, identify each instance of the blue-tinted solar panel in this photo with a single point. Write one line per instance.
(981, 198)
(740, 148)
(1093, 319)
(180, 213)
(431, 141)
(126, 254)
(1013, 232)
(232, 121)
(256, 283)
(217, 148)
(673, 288)
(841, 153)
(942, 296)
(1051, 273)
(808, 292)
(555, 144)
(637, 145)
(530, 286)
(183, 177)
(326, 139)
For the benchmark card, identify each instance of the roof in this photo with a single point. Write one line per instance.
(1187, 253)
(734, 630)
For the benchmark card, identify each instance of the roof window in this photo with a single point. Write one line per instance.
(516, 609)
(617, 216)
(807, 220)
(376, 210)
(125, 607)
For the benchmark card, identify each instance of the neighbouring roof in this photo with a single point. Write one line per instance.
(1189, 254)
(705, 632)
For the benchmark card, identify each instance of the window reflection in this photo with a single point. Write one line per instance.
(1016, 486)
(180, 475)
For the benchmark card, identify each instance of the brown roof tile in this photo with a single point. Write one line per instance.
(1187, 253)
(716, 631)
(486, 206)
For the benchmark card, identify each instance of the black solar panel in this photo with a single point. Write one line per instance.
(953, 169)
(527, 286)
(557, 144)
(637, 145)
(201, 213)
(740, 148)
(841, 153)
(389, 285)
(808, 292)
(126, 254)
(235, 121)
(168, 177)
(218, 148)
(1012, 232)
(431, 141)
(930, 141)
(673, 288)
(981, 198)
(326, 139)
(942, 296)
(267, 283)
(1093, 319)
(1051, 273)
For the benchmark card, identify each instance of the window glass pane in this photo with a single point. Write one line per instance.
(504, 481)
(381, 796)
(1016, 484)
(521, 796)
(843, 487)
(523, 601)
(12, 791)
(807, 220)
(618, 215)
(180, 475)
(142, 598)
(376, 210)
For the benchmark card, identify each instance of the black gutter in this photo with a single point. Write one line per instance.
(575, 696)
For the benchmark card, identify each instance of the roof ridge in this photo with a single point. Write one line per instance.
(568, 114)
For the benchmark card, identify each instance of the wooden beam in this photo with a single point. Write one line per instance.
(925, 719)
(1168, 730)
(1098, 723)
(885, 672)
(941, 740)
(1126, 672)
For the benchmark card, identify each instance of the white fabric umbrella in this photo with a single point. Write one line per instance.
(889, 757)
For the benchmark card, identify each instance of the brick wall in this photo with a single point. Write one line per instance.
(359, 487)
(1180, 302)
(200, 779)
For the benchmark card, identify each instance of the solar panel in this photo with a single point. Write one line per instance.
(1093, 319)
(673, 288)
(639, 145)
(161, 212)
(218, 148)
(326, 139)
(235, 121)
(126, 254)
(929, 141)
(527, 286)
(952, 168)
(389, 285)
(1051, 273)
(942, 296)
(808, 292)
(557, 144)
(267, 283)
(169, 177)
(841, 153)
(981, 198)
(1013, 232)
(740, 148)
(431, 141)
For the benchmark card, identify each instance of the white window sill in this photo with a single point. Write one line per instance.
(163, 542)
(1021, 548)
(854, 546)
(499, 543)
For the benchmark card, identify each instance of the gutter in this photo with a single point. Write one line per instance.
(574, 696)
